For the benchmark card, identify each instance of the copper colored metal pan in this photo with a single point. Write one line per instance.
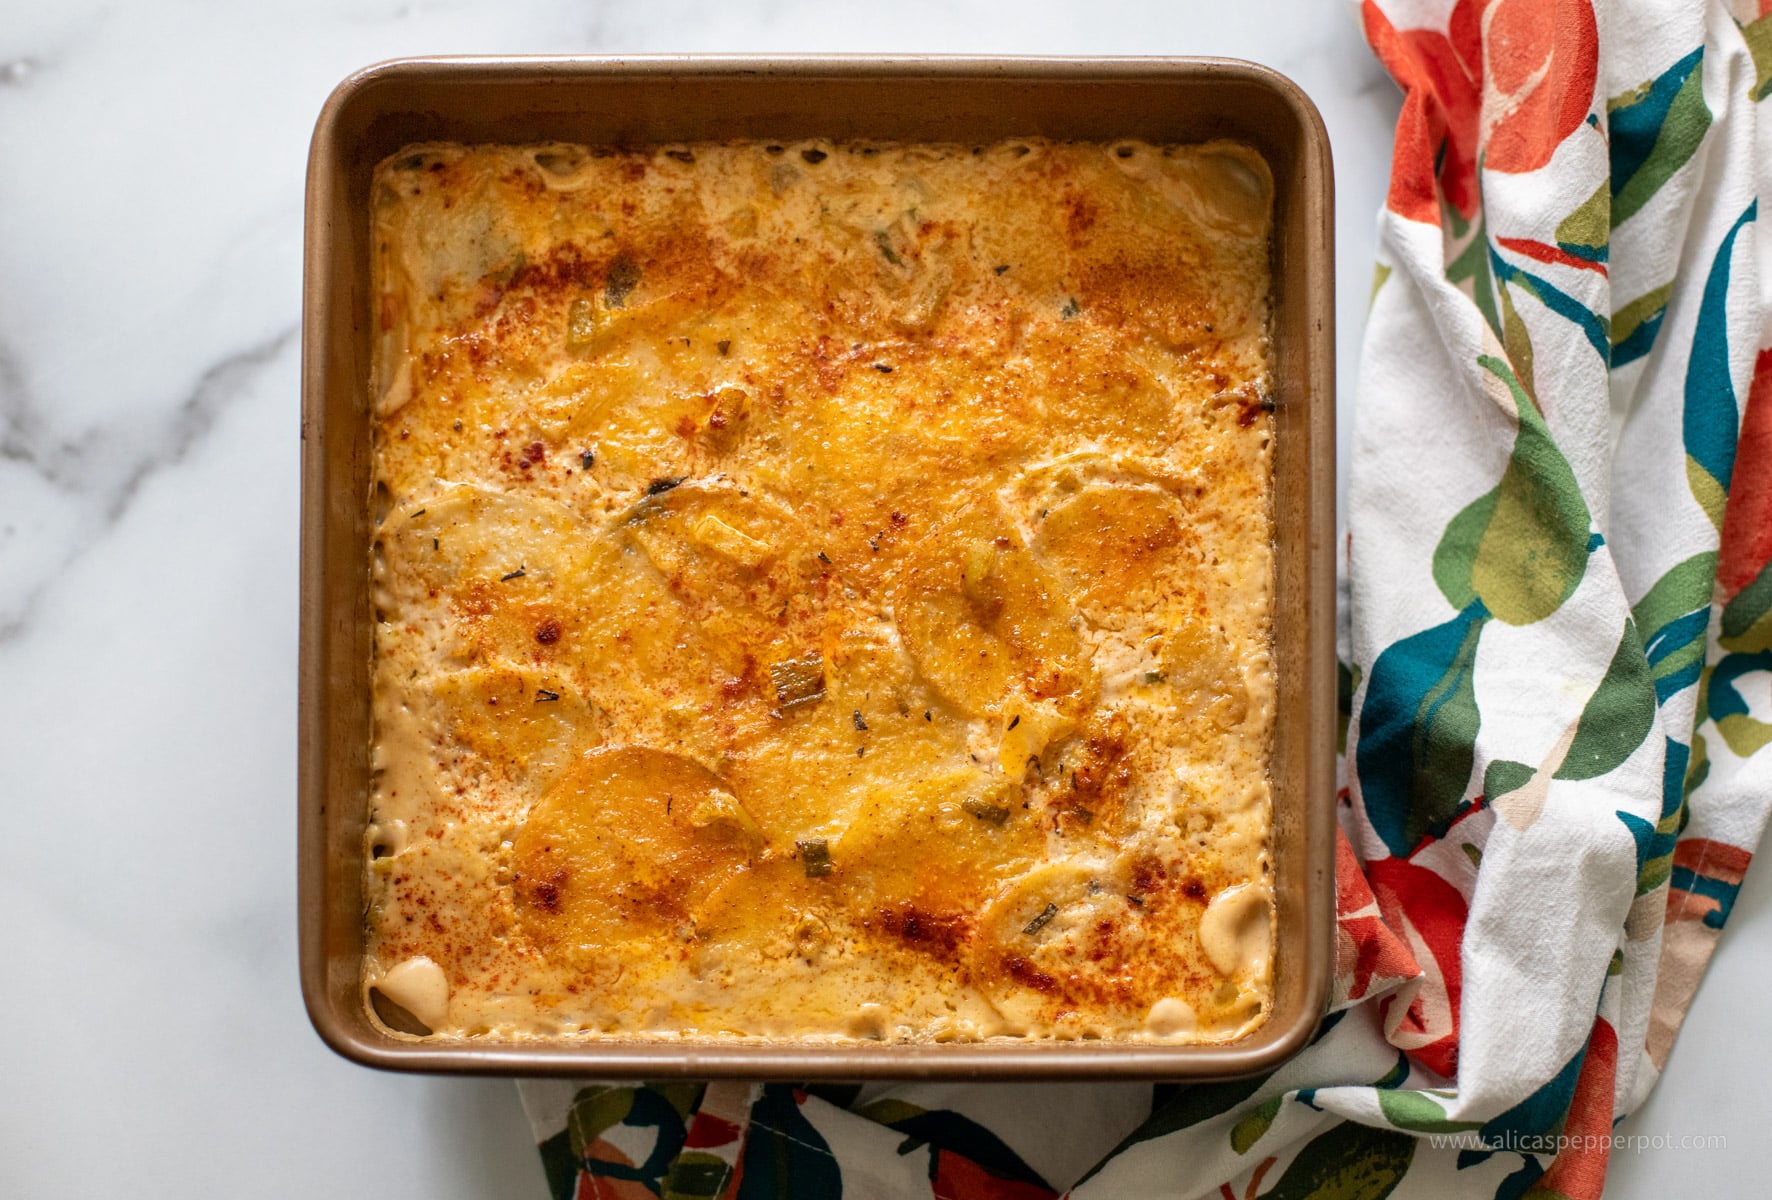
(646, 100)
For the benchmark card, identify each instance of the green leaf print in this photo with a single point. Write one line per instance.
(1534, 550)
(1587, 231)
(1380, 273)
(1458, 549)
(1747, 618)
(594, 1110)
(1635, 325)
(1516, 341)
(1758, 36)
(1248, 1131)
(695, 1175)
(1504, 775)
(1673, 617)
(1350, 1162)
(1655, 128)
(1419, 1113)
(1472, 264)
(1742, 732)
(1617, 717)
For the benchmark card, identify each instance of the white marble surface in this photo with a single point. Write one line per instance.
(153, 1040)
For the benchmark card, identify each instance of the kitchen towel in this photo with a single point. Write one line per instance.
(1557, 673)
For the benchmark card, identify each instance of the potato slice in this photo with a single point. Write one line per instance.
(986, 623)
(626, 847)
(1119, 546)
(808, 770)
(739, 563)
(520, 721)
(941, 844)
(472, 540)
(1062, 936)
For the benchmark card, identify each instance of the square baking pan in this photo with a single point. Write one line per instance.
(639, 101)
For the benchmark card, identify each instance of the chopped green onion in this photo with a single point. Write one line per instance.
(1040, 922)
(815, 855)
(798, 680)
(984, 810)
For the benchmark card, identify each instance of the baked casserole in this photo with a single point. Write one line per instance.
(823, 591)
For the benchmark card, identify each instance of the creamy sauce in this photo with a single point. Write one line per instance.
(824, 592)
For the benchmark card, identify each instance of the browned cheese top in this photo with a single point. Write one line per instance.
(822, 591)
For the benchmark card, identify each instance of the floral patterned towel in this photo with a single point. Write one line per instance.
(1557, 672)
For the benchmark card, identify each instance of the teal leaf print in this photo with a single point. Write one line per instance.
(1541, 1113)
(1534, 548)
(1418, 726)
(785, 1157)
(1655, 844)
(560, 1166)
(1617, 717)
(1711, 418)
(596, 1110)
(1655, 129)
(1596, 327)
(1743, 733)
(1191, 1105)
(1350, 1162)
(1248, 1131)
(1673, 616)
(1635, 326)
(947, 1130)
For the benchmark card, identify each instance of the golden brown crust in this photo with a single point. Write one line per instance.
(824, 588)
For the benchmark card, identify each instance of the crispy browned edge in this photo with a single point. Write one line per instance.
(651, 99)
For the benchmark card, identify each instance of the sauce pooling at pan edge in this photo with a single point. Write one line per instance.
(822, 591)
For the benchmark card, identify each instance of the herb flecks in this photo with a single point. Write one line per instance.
(883, 240)
(663, 484)
(798, 681)
(1040, 922)
(543, 696)
(883, 368)
(623, 277)
(1001, 269)
(724, 346)
(984, 810)
(1016, 721)
(1071, 308)
(815, 856)
(857, 718)
(517, 574)
(587, 459)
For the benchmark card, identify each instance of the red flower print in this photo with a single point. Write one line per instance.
(1504, 84)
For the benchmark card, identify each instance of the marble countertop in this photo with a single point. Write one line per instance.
(150, 253)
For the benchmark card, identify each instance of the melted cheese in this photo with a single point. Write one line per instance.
(823, 591)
